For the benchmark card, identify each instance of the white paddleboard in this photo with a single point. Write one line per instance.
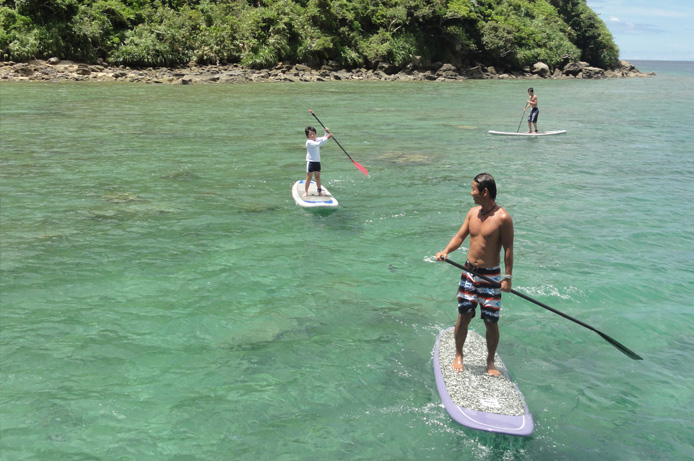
(313, 200)
(473, 398)
(539, 133)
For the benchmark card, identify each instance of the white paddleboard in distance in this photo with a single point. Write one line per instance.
(539, 133)
(313, 200)
(473, 398)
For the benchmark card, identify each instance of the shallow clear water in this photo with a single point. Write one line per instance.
(164, 298)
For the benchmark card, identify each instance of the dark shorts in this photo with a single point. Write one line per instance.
(474, 290)
(312, 166)
(533, 115)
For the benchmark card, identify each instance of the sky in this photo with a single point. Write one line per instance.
(653, 29)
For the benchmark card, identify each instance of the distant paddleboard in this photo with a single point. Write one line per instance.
(539, 133)
(312, 200)
(474, 399)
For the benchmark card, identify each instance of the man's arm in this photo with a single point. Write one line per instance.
(507, 243)
(457, 239)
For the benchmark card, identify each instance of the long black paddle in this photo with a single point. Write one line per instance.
(361, 168)
(631, 354)
(521, 120)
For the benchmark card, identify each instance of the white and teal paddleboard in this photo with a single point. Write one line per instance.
(313, 200)
(539, 133)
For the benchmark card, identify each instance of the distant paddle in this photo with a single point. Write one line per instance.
(361, 168)
(616, 344)
(521, 120)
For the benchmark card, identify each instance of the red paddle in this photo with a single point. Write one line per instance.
(361, 168)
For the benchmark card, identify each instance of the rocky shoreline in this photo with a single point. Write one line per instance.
(55, 70)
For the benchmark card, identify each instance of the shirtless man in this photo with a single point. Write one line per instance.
(490, 228)
(532, 102)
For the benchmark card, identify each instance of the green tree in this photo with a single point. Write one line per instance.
(261, 33)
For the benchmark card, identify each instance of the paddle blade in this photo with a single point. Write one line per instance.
(361, 168)
(628, 352)
(625, 350)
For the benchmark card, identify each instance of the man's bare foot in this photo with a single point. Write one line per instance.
(492, 371)
(458, 363)
(303, 195)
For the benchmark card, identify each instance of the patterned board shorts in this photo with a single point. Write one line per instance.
(473, 290)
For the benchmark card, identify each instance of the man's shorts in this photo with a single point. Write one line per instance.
(474, 290)
(533, 115)
(312, 166)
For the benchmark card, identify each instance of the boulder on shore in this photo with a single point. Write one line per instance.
(541, 69)
(592, 73)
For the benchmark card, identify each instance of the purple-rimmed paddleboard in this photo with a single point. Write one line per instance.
(474, 399)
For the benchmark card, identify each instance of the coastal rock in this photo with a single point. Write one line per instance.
(477, 72)
(387, 68)
(83, 69)
(626, 69)
(626, 66)
(574, 68)
(302, 68)
(541, 69)
(593, 73)
(57, 70)
(23, 69)
(447, 71)
(342, 75)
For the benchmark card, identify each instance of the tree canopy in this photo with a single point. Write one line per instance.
(351, 33)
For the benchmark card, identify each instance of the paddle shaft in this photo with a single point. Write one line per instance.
(612, 341)
(521, 120)
(361, 168)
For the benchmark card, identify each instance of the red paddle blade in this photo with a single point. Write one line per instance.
(361, 168)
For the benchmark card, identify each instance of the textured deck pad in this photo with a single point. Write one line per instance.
(473, 398)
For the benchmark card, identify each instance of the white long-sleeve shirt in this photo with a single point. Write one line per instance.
(313, 148)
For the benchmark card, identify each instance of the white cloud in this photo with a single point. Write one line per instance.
(620, 27)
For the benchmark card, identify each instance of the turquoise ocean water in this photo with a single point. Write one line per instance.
(162, 297)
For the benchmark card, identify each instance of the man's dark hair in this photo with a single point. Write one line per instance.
(486, 181)
(530, 90)
(309, 128)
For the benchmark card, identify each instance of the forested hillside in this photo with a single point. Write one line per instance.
(509, 34)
